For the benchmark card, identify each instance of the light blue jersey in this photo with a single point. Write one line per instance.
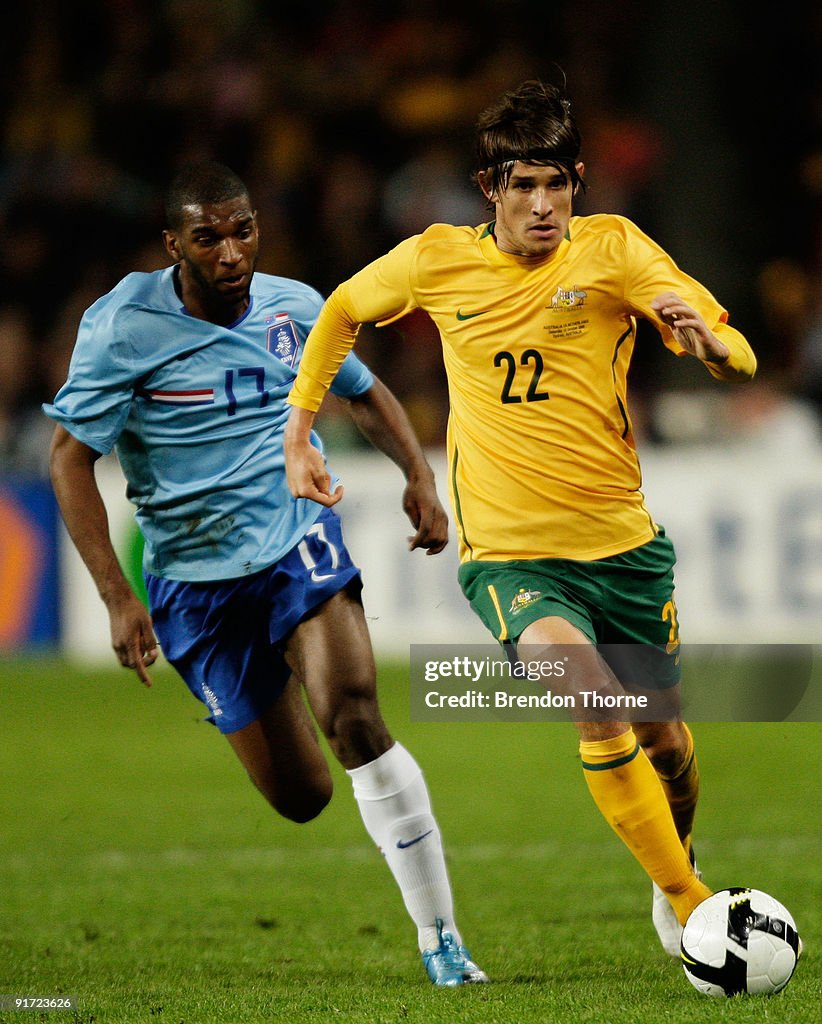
(196, 412)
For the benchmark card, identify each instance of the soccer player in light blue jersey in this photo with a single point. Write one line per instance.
(253, 596)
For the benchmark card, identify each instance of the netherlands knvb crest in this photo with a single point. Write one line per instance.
(523, 599)
(568, 298)
(281, 338)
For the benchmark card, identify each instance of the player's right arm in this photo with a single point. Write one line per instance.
(71, 466)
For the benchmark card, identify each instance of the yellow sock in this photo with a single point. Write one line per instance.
(682, 791)
(629, 794)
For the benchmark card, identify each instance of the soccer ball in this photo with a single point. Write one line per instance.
(739, 940)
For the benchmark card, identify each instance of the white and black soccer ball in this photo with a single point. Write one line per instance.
(739, 940)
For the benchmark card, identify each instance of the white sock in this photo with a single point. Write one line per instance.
(396, 810)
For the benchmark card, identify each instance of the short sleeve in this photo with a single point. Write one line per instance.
(95, 401)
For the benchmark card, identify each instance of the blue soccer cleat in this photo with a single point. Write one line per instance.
(449, 964)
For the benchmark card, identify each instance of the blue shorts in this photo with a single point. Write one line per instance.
(226, 637)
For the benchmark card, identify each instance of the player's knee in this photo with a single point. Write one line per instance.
(299, 797)
(356, 732)
(666, 748)
(306, 803)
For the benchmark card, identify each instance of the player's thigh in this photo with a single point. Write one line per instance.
(330, 651)
(585, 673)
(280, 752)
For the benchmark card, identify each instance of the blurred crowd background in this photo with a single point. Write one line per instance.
(352, 123)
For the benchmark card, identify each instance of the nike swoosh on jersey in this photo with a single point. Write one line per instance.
(469, 316)
(404, 846)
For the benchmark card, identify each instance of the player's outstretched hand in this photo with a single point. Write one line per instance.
(429, 518)
(690, 330)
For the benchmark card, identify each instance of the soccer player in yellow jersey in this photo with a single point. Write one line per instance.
(537, 313)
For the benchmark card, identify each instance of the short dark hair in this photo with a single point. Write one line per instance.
(201, 183)
(532, 123)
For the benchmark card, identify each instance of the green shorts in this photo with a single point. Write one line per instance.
(622, 603)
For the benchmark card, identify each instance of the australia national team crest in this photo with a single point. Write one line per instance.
(281, 338)
(523, 598)
(568, 298)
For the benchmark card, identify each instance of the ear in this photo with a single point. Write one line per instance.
(485, 185)
(172, 246)
(580, 166)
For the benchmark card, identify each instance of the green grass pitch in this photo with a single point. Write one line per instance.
(142, 873)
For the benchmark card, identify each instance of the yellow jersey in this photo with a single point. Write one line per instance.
(542, 459)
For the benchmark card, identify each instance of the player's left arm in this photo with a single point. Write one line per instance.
(382, 420)
(724, 351)
(376, 293)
